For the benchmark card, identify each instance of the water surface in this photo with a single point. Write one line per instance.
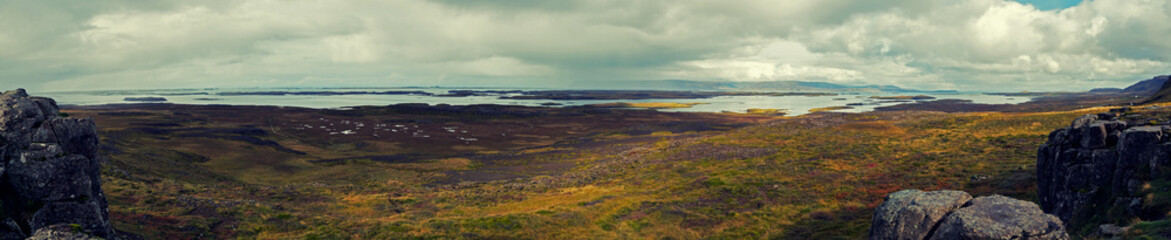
(796, 105)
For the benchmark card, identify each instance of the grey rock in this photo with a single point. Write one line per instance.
(1083, 121)
(999, 217)
(50, 164)
(61, 232)
(1094, 136)
(88, 215)
(1133, 205)
(56, 178)
(912, 214)
(19, 114)
(1099, 134)
(19, 92)
(76, 135)
(1111, 230)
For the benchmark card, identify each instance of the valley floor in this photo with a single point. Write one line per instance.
(185, 171)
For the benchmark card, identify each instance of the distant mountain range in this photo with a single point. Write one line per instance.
(1142, 88)
(779, 86)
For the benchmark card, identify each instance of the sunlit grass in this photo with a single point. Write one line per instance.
(767, 111)
(826, 109)
(647, 105)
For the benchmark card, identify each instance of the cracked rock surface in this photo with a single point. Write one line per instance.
(49, 174)
(945, 214)
(1102, 164)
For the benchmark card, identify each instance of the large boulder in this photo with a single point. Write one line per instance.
(49, 173)
(914, 214)
(911, 214)
(1000, 217)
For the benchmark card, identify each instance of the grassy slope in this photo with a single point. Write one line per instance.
(809, 177)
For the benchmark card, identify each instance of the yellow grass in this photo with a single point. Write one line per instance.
(544, 149)
(767, 111)
(876, 126)
(823, 109)
(562, 198)
(647, 105)
(446, 164)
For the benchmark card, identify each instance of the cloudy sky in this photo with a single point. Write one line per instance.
(1001, 45)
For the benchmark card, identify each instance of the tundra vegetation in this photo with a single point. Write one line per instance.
(646, 105)
(176, 171)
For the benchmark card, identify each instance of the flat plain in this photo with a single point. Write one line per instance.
(506, 172)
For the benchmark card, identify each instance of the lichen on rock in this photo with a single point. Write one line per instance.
(913, 214)
(1000, 217)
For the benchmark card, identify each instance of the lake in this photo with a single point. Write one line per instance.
(796, 105)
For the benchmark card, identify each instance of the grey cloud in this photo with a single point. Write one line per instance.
(966, 44)
(983, 45)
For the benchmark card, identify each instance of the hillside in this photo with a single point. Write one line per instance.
(1147, 87)
(1162, 94)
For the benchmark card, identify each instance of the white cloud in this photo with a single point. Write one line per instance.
(977, 42)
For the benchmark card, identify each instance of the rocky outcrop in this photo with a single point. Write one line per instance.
(48, 169)
(914, 214)
(1100, 169)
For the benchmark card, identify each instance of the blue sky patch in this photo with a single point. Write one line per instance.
(1046, 5)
